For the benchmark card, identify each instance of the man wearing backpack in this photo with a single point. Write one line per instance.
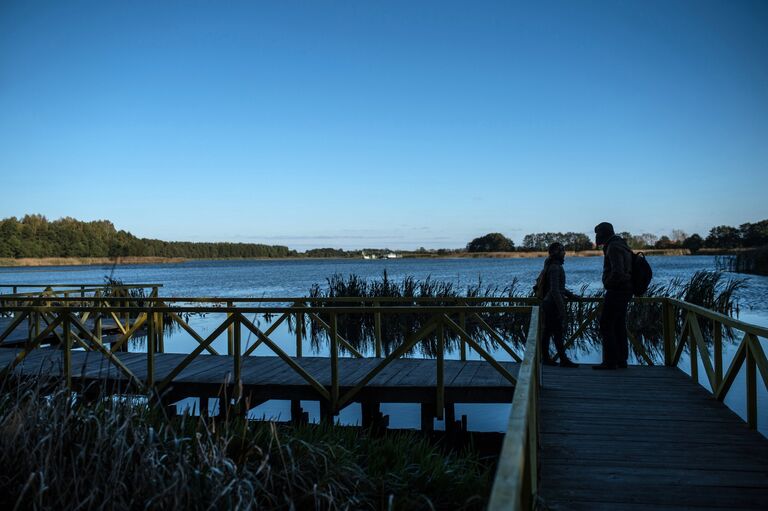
(617, 281)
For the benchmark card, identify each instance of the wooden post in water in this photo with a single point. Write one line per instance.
(450, 418)
(427, 416)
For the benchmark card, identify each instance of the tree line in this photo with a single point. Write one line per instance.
(36, 236)
(747, 235)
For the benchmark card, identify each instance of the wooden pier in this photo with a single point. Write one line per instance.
(646, 437)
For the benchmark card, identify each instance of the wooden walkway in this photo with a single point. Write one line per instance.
(405, 380)
(644, 438)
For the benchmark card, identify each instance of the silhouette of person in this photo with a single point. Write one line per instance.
(553, 305)
(617, 281)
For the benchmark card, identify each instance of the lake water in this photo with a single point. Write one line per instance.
(293, 278)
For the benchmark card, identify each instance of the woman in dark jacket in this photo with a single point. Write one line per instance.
(553, 305)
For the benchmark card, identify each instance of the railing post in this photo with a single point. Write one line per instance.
(751, 387)
(377, 328)
(67, 351)
(150, 349)
(36, 326)
(668, 324)
(159, 332)
(230, 331)
(693, 350)
(334, 364)
(97, 324)
(126, 303)
(463, 325)
(299, 331)
(717, 346)
(440, 404)
(237, 374)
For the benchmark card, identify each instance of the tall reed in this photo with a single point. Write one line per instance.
(708, 289)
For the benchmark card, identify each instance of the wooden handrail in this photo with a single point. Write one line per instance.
(514, 485)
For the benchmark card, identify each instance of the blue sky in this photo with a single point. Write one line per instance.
(371, 124)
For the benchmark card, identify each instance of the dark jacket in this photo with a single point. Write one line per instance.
(617, 265)
(556, 286)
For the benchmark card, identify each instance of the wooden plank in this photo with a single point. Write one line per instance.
(467, 373)
(646, 438)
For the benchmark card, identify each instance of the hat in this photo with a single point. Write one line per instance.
(603, 232)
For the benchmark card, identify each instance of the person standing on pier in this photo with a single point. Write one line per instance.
(555, 313)
(617, 281)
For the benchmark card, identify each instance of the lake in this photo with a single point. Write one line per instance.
(294, 278)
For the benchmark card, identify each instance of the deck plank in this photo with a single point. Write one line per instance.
(644, 438)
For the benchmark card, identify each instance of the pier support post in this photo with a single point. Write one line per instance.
(427, 416)
(298, 415)
(451, 425)
(326, 412)
(372, 418)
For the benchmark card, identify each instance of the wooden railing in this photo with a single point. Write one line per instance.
(515, 484)
(67, 290)
(150, 319)
(749, 351)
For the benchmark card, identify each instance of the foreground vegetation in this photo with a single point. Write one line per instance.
(60, 453)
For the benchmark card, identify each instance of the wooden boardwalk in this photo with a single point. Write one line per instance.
(644, 438)
(405, 380)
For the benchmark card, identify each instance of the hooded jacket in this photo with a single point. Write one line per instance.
(556, 289)
(617, 265)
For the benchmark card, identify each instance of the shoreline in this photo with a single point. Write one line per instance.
(31, 262)
(7, 262)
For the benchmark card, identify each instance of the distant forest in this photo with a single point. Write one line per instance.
(36, 236)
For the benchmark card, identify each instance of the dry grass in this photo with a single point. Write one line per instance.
(60, 453)
(80, 261)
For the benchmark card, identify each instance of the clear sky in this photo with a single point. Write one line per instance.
(371, 124)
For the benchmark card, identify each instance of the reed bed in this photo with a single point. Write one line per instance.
(710, 289)
(58, 452)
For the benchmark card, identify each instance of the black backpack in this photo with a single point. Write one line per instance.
(641, 274)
